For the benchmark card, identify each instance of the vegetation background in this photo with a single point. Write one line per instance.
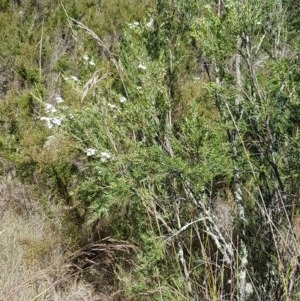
(149, 150)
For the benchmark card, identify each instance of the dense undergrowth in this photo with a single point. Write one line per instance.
(149, 150)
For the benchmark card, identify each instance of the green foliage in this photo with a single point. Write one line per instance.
(254, 97)
(150, 158)
(4, 5)
(62, 65)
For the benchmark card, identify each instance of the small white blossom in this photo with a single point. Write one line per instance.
(92, 63)
(150, 23)
(49, 108)
(111, 106)
(63, 108)
(249, 288)
(56, 121)
(133, 25)
(105, 156)
(142, 67)
(123, 99)
(48, 122)
(59, 99)
(74, 78)
(68, 208)
(90, 152)
(52, 121)
(85, 57)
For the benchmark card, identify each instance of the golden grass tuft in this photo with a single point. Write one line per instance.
(33, 260)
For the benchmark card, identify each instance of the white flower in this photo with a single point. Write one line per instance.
(48, 122)
(133, 25)
(142, 67)
(85, 57)
(111, 106)
(58, 99)
(249, 288)
(74, 78)
(49, 108)
(52, 121)
(92, 63)
(56, 121)
(90, 152)
(105, 156)
(150, 23)
(123, 99)
(63, 108)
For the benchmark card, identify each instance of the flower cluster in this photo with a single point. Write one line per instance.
(50, 109)
(90, 152)
(111, 106)
(104, 156)
(150, 24)
(52, 121)
(88, 60)
(142, 67)
(72, 78)
(123, 99)
(58, 99)
(134, 25)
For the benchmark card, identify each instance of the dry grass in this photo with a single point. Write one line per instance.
(33, 265)
(35, 259)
